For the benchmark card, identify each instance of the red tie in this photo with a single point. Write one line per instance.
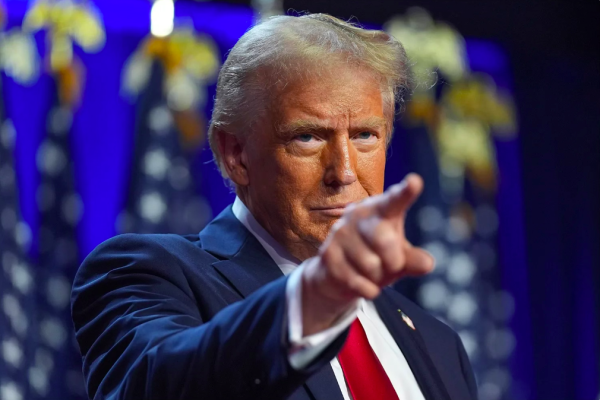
(364, 374)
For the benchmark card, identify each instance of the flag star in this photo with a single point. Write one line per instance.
(13, 311)
(137, 73)
(20, 324)
(11, 306)
(462, 308)
(21, 277)
(23, 235)
(58, 292)
(160, 120)
(44, 359)
(461, 269)
(182, 92)
(156, 164)
(10, 391)
(72, 208)
(8, 134)
(152, 207)
(12, 352)
(50, 159)
(38, 379)
(53, 332)
(434, 295)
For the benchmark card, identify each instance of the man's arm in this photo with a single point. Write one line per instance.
(142, 336)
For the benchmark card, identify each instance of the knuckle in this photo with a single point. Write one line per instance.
(354, 285)
(394, 260)
(336, 274)
(384, 238)
(370, 263)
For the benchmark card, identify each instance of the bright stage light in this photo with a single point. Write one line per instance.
(161, 17)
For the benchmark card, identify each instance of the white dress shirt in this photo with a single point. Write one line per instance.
(309, 347)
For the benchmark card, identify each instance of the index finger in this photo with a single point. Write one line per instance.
(398, 198)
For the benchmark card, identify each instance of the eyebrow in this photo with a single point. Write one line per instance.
(303, 126)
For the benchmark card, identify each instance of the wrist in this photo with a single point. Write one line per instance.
(319, 311)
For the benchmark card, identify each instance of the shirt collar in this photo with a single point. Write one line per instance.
(284, 260)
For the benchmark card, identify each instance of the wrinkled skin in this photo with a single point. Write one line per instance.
(323, 144)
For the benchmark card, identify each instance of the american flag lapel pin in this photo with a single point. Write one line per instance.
(407, 320)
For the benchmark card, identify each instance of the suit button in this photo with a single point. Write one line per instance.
(257, 381)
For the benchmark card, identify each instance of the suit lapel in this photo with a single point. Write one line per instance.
(413, 347)
(243, 260)
(247, 266)
(323, 385)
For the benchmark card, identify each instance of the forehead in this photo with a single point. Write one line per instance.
(333, 95)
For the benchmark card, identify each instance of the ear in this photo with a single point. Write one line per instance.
(233, 157)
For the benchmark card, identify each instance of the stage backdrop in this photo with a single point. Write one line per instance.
(106, 132)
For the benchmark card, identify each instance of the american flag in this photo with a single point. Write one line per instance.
(456, 221)
(17, 282)
(55, 372)
(162, 191)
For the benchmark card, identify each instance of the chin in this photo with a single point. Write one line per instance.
(323, 228)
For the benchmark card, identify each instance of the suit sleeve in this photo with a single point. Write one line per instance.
(142, 336)
(467, 370)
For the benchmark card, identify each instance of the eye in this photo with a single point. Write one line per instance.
(305, 137)
(364, 135)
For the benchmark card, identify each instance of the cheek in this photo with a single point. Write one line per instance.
(285, 177)
(300, 174)
(371, 171)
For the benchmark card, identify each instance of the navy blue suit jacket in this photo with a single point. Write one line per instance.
(203, 317)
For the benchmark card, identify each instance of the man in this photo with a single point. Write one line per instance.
(283, 295)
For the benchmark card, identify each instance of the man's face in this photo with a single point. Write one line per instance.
(322, 147)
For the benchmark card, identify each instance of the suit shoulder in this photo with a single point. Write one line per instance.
(136, 252)
(154, 244)
(132, 241)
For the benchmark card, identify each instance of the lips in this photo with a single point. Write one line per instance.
(334, 210)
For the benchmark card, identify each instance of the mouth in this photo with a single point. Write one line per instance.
(335, 210)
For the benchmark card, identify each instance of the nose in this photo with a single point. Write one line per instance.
(340, 162)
